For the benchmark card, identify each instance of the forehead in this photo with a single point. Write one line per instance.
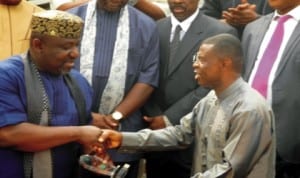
(59, 40)
(206, 49)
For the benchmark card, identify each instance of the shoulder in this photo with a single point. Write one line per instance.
(210, 21)
(12, 69)
(260, 21)
(164, 21)
(78, 77)
(79, 10)
(139, 18)
(250, 100)
(30, 5)
(211, 25)
(11, 64)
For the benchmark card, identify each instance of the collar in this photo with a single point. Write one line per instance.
(231, 89)
(295, 13)
(185, 25)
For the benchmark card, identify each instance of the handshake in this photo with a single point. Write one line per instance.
(99, 162)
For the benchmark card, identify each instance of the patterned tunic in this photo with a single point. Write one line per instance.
(233, 135)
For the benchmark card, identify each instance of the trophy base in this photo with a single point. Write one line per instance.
(97, 165)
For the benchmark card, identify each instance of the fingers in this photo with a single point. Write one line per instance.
(103, 122)
(244, 1)
(148, 119)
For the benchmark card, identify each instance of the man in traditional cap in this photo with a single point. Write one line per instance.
(44, 103)
(15, 33)
(119, 57)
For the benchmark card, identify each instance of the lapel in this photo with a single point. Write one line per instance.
(165, 31)
(190, 39)
(257, 36)
(288, 50)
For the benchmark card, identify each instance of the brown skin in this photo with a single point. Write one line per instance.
(212, 71)
(70, 5)
(283, 6)
(135, 99)
(150, 9)
(240, 15)
(182, 9)
(56, 56)
(30, 137)
(10, 2)
(111, 5)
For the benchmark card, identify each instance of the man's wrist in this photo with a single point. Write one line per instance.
(167, 121)
(117, 115)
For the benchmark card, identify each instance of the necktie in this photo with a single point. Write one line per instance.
(260, 81)
(174, 44)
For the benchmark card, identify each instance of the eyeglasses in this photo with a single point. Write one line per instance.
(195, 58)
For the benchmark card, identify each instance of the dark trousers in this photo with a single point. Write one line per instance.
(156, 168)
(286, 169)
(174, 164)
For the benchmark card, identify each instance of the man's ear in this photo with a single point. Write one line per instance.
(227, 62)
(36, 44)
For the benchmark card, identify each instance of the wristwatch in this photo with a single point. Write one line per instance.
(116, 115)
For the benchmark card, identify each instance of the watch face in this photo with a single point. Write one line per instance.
(117, 115)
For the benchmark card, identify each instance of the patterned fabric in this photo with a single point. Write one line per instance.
(233, 135)
(37, 164)
(57, 23)
(114, 90)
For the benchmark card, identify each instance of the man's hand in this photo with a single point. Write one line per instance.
(241, 15)
(89, 136)
(110, 138)
(104, 121)
(156, 122)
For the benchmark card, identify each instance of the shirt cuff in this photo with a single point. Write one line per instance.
(167, 121)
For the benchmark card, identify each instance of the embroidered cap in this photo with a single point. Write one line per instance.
(57, 23)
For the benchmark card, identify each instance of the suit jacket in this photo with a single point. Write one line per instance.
(178, 91)
(285, 88)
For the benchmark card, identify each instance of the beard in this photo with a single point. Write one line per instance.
(10, 2)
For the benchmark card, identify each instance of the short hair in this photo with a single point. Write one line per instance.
(227, 46)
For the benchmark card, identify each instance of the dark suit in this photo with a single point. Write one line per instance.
(285, 88)
(178, 92)
(214, 8)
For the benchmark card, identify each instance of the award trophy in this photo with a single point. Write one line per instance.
(97, 165)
